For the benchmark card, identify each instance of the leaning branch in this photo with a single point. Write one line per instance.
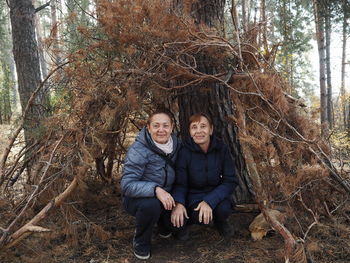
(31, 226)
(21, 125)
(42, 7)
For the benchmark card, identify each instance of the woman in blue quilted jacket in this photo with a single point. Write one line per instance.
(205, 180)
(148, 176)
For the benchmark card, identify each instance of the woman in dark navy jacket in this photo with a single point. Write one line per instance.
(205, 180)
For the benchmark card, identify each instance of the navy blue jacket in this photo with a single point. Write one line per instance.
(144, 169)
(200, 176)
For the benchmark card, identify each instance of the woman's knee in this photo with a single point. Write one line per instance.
(150, 206)
(222, 211)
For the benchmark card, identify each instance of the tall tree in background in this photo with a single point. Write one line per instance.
(40, 34)
(7, 86)
(345, 32)
(292, 33)
(25, 51)
(328, 30)
(216, 97)
(320, 36)
(55, 33)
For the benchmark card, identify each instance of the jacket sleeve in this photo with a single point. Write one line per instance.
(132, 184)
(180, 187)
(228, 184)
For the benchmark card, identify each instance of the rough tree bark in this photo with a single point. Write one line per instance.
(25, 51)
(54, 33)
(320, 27)
(213, 98)
(328, 29)
(39, 33)
(343, 63)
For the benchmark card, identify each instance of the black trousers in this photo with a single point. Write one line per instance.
(147, 212)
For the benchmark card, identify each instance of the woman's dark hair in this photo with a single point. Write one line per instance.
(197, 117)
(161, 111)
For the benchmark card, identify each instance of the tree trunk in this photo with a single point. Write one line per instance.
(38, 28)
(244, 16)
(343, 63)
(54, 33)
(5, 62)
(319, 22)
(6, 97)
(263, 21)
(215, 97)
(26, 56)
(328, 65)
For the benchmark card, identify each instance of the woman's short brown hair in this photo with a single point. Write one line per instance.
(161, 111)
(197, 117)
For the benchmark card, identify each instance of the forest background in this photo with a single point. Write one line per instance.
(78, 79)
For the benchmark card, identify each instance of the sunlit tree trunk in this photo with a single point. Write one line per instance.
(328, 30)
(39, 33)
(54, 33)
(213, 98)
(320, 28)
(263, 21)
(244, 16)
(343, 64)
(6, 55)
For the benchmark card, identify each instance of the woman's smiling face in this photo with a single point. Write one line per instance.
(160, 128)
(201, 131)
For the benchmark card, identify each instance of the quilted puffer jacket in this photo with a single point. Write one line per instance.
(145, 167)
(201, 176)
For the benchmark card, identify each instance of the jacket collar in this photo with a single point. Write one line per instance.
(213, 145)
(144, 137)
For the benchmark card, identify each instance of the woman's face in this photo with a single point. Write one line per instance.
(160, 128)
(200, 132)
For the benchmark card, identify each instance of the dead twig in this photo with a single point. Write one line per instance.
(31, 226)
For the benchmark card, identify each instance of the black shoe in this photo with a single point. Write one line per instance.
(143, 255)
(163, 232)
(182, 234)
(224, 229)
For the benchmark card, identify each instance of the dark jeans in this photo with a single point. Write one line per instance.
(147, 212)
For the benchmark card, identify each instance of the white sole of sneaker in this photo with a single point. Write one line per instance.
(165, 236)
(142, 257)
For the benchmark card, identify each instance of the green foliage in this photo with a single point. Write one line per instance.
(292, 20)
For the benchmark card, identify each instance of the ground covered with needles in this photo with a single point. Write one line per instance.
(97, 229)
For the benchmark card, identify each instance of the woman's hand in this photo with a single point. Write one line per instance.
(205, 212)
(165, 198)
(178, 215)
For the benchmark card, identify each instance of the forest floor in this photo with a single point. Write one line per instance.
(94, 228)
(101, 232)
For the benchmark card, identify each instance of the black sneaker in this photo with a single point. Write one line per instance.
(182, 234)
(143, 255)
(224, 229)
(163, 232)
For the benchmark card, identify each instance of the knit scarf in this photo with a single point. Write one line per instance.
(166, 147)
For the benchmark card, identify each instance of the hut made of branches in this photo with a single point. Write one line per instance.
(142, 54)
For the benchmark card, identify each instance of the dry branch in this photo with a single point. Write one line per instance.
(290, 244)
(21, 125)
(31, 226)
